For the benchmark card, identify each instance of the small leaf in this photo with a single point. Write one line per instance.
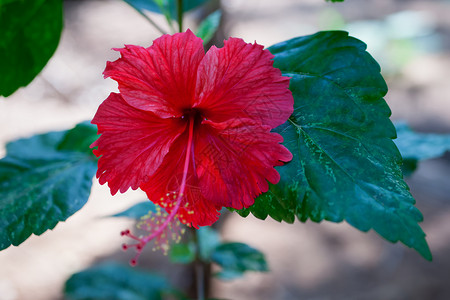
(29, 35)
(345, 165)
(208, 240)
(237, 258)
(182, 253)
(209, 26)
(138, 210)
(80, 139)
(114, 281)
(415, 146)
(161, 7)
(44, 180)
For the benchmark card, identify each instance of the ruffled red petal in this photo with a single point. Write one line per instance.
(235, 159)
(239, 81)
(132, 144)
(163, 187)
(160, 78)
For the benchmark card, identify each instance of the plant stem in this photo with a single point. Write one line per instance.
(201, 271)
(200, 278)
(180, 15)
(149, 20)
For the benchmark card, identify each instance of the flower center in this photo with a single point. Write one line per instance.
(193, 114)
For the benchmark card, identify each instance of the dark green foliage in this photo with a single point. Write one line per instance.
(345, 164)
(209, 26)
(138, 210)
(29, 35)
(236, 258)
(233, 258)
(112, 281)
(164, 7)
(182, 253)
(208, 240)
(44, 180)
(416, 146)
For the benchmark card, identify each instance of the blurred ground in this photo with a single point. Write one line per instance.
(307, 261)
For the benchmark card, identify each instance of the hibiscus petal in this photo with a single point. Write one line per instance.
(235, 159)
(160, 78)
(132, 144)
(239, 80)
(163, 186)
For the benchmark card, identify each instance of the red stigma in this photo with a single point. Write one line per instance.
(133, 262)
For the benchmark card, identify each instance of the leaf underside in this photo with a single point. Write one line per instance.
(345, 165)
(44, 180)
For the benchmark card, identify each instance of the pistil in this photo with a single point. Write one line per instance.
(169, 222)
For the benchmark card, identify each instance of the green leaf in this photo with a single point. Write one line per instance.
(112, 281)
(237, 258)
(208, 240)
(182, 253)
(209, 26)
(415, 146)
(29, 35)
(345, 165)
(79, 139)
(269, 205)
(44, 180)
(138, 210)
(163, 6)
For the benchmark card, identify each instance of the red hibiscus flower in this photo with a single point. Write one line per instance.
(191, 129)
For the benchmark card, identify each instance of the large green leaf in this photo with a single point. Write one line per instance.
(416, 146)
(112, 281)
(237, 258)
(29, 35)
(164, 6)
(44, 180)
(345, 164)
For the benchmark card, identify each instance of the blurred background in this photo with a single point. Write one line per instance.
(411, 41)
